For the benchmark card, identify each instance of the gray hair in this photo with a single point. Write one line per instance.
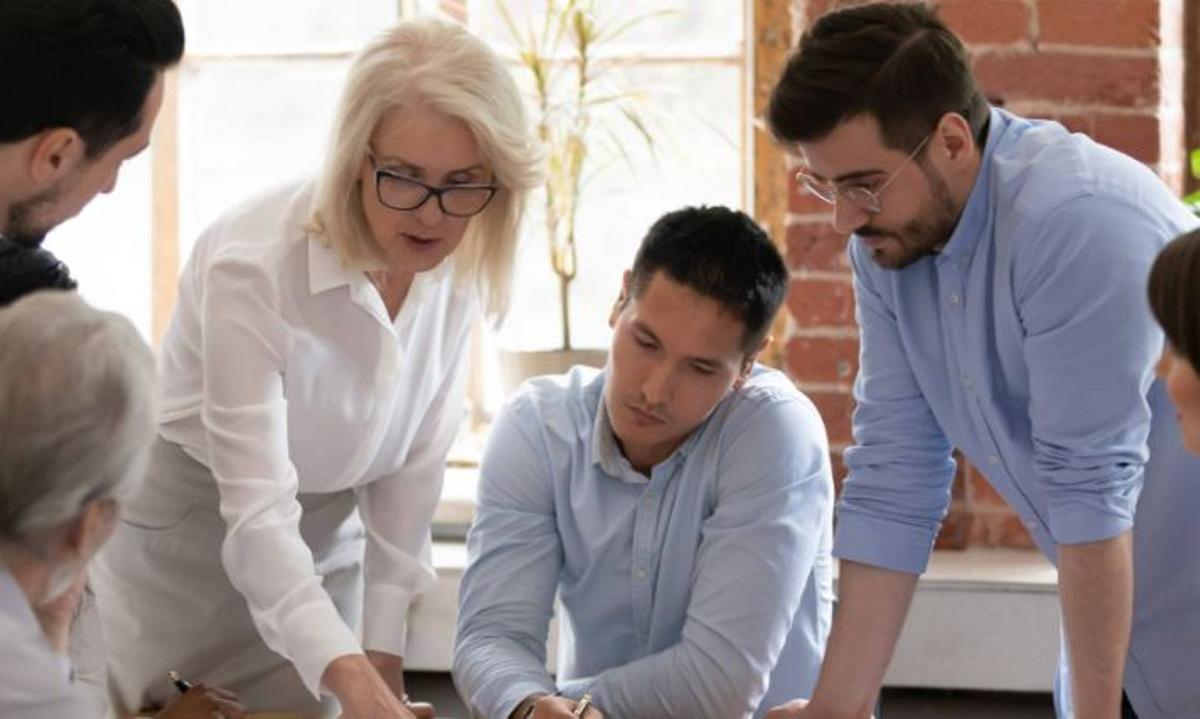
(77, 412)
(443, 66)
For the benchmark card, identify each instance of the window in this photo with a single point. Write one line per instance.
(247, 110)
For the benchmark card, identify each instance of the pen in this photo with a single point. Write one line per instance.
(180, 683)
(582, 706)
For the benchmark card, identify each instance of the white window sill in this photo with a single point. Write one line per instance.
(981, 619)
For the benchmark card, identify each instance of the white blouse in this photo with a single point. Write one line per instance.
(282, 372)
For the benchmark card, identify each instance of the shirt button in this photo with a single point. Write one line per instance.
(967, 382)
(954, 299)
(1031, 525)
(640, 574)
(649, 500)
(993, 459)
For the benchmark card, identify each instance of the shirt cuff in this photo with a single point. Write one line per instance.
(385, 619)
(514, 694)
(314, 636)
(882, 543)
(576, 688)
(1092, 519)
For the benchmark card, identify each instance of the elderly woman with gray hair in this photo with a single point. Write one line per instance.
(76, 420)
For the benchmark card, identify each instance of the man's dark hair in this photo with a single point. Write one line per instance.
(719, 253)
(896, 62)
(1174, 289)
(28, 269)
(83, 64)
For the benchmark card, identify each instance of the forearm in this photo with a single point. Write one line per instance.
(872, 605)
(1095, 583)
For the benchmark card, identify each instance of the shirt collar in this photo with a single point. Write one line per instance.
(325, 268)
(977, 214)
(327, 271)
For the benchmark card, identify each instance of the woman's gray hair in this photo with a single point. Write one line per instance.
(440, 65)
(77, 412)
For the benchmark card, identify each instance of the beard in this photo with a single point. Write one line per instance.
(19, 226)
(921, 236)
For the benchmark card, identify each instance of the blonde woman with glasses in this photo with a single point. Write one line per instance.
(313, 383)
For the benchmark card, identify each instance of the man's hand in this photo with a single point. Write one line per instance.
(362, 691)
(551, 707)
(204, 702)
(56, 615)
(792, 710)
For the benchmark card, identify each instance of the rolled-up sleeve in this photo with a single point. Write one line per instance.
(397, 511)
(506, 597)
(772, 515)
(900, 467)
(1090, 345)
(245, 418)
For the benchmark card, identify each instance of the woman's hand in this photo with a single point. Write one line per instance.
(391, 668)
(204, 702)
(362, 691)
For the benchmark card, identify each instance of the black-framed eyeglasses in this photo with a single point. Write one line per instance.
(400, 192)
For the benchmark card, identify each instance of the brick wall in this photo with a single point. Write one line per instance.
(1110, 68)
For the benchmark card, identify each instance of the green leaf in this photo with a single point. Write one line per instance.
(1195, 162)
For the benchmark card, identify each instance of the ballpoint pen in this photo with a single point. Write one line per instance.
(180, 683)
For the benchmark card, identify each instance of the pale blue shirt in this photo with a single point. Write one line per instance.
(681, 592)
(35, 680)
(1027, 342)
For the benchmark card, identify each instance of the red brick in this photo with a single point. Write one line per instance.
(822, 359)
(836, 409)
(981, 494)
(955, 531)
(803, 202)
(1135, 135)
(1104, 23)
(999, 529)
(839, 471)
(1130, 82)
(1075, 123)
(987, 21)
(822, 303)
(815, 245)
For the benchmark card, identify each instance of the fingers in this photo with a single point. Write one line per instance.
(421, 710)
(229, 709)
(791, 710)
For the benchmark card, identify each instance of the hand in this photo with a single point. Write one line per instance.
(204, 702)
(792, 710)
(552, 707)
(391, 669)
(56, 615)
(796, 709)
(361, 690)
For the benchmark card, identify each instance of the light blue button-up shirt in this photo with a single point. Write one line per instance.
(1028, 343)
(680, 592)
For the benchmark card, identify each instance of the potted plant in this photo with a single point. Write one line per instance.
(577, 97)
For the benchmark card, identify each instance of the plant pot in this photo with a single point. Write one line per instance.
(516, 367)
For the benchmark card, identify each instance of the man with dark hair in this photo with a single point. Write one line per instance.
(677, 502)
(83, 84)
(999, 268)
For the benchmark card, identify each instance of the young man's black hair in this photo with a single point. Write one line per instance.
(718, 253)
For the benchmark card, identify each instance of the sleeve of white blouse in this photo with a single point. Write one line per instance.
(245, 418)
(397, 511)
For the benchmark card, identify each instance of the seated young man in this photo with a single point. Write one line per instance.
(678, 503)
